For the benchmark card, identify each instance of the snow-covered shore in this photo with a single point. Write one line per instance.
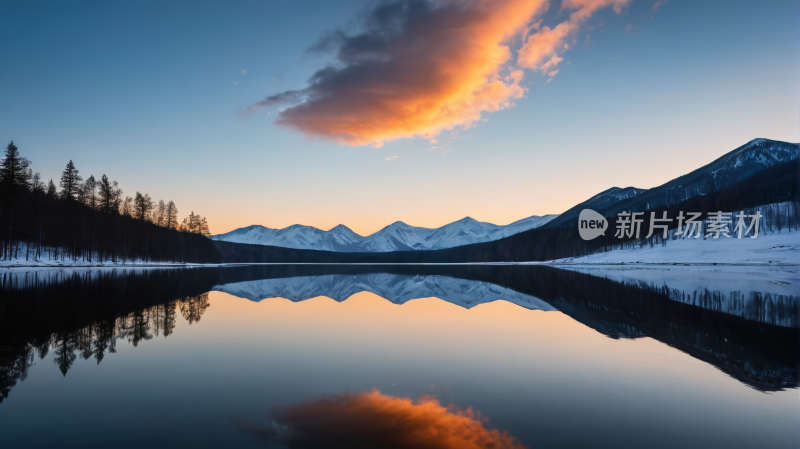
(781, 248)
(22, 263)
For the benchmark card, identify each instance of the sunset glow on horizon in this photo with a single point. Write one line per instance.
(366, 113)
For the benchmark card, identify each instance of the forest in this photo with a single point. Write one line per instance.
(776, 185)
(91, 220)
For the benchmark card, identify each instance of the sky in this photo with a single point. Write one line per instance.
(364, 113)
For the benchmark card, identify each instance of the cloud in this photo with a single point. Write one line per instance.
(390, 158)
(413, 69)
(658, 4)
(288, 97)
(541, 50)
(243, 72)
(371, 420)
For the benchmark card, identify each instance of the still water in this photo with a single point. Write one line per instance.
(397, 357)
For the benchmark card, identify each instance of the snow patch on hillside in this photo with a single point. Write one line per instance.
(783, 248)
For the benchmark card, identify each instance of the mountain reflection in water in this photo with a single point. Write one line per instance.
(752, 336)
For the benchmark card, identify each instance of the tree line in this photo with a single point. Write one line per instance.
(91, 220)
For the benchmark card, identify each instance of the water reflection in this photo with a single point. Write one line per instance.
(394, 287)
(750, 333)
(83, 312)
(375, 420)
(755, 293)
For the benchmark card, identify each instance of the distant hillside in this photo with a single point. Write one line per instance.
(600, 201)
(398, 236)
(735, 166)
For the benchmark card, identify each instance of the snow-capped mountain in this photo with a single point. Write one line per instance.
(600, 201)
(340, 238)
(737, 165)
(397, 288)
(398, 236)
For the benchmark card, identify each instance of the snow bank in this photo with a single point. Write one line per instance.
(765, 249)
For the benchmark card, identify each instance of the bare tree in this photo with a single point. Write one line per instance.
(171, 216)
(142, 205)
(126, 208)
(196, 224)
(160, 214)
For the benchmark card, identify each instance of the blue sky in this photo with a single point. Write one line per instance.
(150, 93)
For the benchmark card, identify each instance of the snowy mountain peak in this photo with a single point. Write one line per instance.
(398, 236)
(342, 229)
(745, 161)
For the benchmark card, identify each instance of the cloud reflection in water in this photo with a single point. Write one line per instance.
(375, 420)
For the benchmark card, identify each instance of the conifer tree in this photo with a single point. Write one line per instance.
(90, 191)
(37, 186)
(70, 182)
(14, 174)
(109, 195)
(51, 189)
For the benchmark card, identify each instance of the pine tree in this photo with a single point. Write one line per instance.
(90, 190)
(37, 186)
(110, 195)
(14, 175)
(51, 189)
(70, 181)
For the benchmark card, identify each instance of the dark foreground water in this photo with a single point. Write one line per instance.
(399, 357)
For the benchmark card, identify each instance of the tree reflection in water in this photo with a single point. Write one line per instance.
(83, 312)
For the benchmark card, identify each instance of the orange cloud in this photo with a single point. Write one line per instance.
(541, 50)
(415, 68)
(373, 420)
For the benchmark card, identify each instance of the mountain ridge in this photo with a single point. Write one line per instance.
(397, 236)
(736, 165)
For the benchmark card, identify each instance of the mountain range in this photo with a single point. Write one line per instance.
(398, 236)
(737, 165)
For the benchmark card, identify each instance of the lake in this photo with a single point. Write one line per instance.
(463, 356)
